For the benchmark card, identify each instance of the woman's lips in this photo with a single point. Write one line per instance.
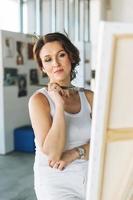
(58, 71)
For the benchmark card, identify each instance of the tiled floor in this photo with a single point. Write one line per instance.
(16, 176)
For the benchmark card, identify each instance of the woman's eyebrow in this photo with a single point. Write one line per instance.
(56, 53)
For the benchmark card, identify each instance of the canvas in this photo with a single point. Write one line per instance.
(110, 173)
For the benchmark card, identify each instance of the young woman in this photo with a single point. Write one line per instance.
(61, 121)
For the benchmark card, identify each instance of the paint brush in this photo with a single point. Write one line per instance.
(81, 89)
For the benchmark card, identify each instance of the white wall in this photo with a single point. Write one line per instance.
(13, 109)
(121, 10)
(106, 10)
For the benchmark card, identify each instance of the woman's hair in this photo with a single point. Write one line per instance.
(72, 51)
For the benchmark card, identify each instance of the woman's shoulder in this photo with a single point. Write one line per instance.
(38, 99)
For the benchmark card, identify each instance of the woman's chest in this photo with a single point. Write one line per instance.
(72, 105)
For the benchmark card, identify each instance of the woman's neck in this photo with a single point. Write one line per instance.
(62, 83)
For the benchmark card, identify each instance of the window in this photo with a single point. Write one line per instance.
(9, 15)
(29, 16)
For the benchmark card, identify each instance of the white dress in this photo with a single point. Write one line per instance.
(69, 184)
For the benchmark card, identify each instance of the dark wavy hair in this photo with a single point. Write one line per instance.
(72, 51)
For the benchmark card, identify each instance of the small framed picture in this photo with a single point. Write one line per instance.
(8, 47)
(22, 85)
(30, 51)
(10, 76)
(19, 49)
(34, 77)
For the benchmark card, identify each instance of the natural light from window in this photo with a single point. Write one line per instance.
(9, 15)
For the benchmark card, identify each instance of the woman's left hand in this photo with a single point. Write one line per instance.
(67, 157)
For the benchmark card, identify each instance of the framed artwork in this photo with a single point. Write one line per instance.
(19, 49)
(110, 171)
(8, 47)
(22, 85)
(43, 78)
(10, 76)
(30, 51)
(34, 77)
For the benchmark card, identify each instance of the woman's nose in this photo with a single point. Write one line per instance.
(55, 62)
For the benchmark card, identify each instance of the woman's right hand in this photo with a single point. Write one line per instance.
(67, 158)
(56, 93)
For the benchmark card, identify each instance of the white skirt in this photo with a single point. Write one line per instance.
(53, 184)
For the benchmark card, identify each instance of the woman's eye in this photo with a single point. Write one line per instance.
(47, 59)
(62, 54)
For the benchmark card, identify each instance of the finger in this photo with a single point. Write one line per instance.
(53, 86)
(49, 161)
(62, 165)
(52, 163)
(66, 93)
(61, 92)
(58, 89)
(56, 165)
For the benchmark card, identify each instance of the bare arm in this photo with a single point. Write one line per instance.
(72, 154)
(55, 139)
(50, 133)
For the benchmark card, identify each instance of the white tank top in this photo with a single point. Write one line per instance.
(78, 125)
(78, 133)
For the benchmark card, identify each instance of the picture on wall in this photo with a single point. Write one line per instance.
(19, 49)
(10, 76)
(30, 51)
(22, 85)
(8, 47)
(34, 77)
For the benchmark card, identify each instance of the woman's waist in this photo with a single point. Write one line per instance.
(41, 161)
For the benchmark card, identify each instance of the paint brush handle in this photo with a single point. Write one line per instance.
(81, 89)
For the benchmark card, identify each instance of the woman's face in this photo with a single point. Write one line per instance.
(56, 62)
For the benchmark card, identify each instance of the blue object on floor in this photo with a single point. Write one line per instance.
(24, 139)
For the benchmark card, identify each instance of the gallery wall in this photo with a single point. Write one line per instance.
(19, 78)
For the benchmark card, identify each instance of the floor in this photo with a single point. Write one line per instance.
(16, 176)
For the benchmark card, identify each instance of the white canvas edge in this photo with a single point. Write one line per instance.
(101, 100)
